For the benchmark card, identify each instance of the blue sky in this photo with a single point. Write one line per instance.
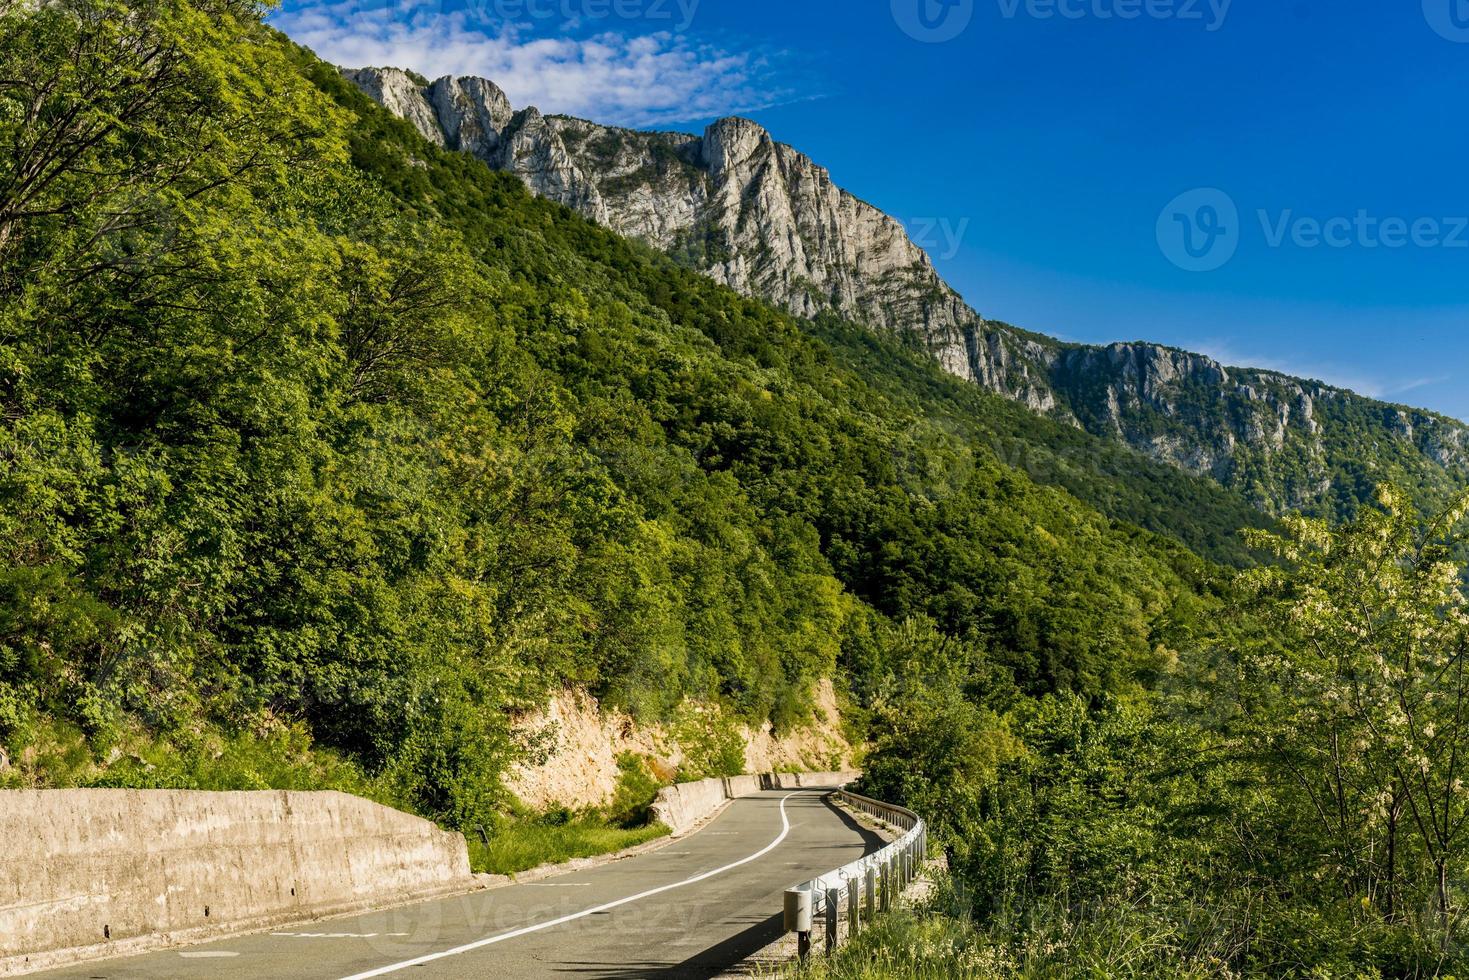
(1279, 183)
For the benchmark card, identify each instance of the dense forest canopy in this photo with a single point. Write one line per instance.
(323, 452)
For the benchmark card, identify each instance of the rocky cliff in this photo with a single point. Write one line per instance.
(749, 212)
(1286, 443)
(764, 219)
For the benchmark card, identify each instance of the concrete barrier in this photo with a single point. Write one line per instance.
(683, 806)
(105, 872)
(809, 780)
(738, 786)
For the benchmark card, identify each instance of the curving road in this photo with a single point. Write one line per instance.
(688, 910)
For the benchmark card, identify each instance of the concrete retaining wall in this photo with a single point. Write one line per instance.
(92, 873)
(684, 806)
(810, 780)
(737, 786)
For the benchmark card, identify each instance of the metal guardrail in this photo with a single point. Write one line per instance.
(866, 887)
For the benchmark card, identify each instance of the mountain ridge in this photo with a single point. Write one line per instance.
(765, 219)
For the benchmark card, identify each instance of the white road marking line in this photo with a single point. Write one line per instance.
(208, 954)
(785, 829)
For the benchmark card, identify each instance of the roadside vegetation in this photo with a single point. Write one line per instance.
(554, 838)
(522, 840)
(1287, 800)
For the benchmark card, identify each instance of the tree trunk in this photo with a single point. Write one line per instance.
(1442, 867)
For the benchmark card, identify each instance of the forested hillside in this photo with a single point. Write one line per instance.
(315, 432)
(324, 452)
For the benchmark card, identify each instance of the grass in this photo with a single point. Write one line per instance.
(908, 946)
(521, 846)
(927, 944)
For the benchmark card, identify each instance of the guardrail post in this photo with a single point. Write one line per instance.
(833, 918)
(870, 886)
(854, 909)
(798, 919)
(886, 885)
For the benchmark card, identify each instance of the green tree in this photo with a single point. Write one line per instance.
(1363, 697)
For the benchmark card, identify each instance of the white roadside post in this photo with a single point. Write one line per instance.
(798, 919)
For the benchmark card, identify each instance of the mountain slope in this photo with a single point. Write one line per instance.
(344, 450)
(759, 216)
(1109, 477)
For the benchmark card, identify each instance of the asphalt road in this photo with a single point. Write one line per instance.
(689, 910)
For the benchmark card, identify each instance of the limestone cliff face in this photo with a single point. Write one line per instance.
(749, 212)
(1286, 443)
(764, 219)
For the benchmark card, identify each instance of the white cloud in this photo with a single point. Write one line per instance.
(646, 79)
